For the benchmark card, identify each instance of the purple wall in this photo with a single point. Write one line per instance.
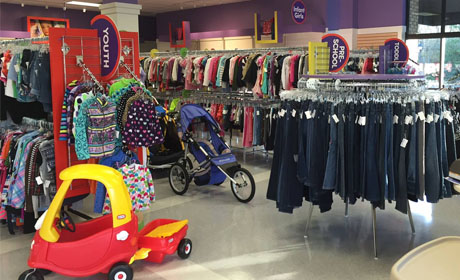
(14, 17)
(381, 13)
(237, 19)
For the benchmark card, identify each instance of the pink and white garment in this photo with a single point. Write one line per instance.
(139, 182)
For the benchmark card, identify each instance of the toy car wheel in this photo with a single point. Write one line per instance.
(178, 179)
(245, 187)
(31, 274)
(185, 248)
(121, 271)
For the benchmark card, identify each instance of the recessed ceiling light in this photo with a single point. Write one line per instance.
(22, 5)
(84, 10)
(64, 8)
(79, 3)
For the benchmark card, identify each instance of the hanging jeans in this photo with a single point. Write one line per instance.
(411, 155)
(372, 187)
(330, 177)
(401, 189)
(432, 175)
(420, 109)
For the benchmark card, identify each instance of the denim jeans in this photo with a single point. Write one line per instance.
(420, 152)
(341, 149)
(257, 129)
(444, 160)
(432, 175)
(284, 187)
(351, 152)
(401, 190)
(372, 186)
(389, 128)
(439, 139)
(330, 177)
(411, 155)
(365, 109)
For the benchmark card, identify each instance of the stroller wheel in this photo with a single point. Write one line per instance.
(245, 187)
(187, 163)
(178, 179)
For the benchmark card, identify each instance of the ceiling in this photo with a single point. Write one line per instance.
(148, 6)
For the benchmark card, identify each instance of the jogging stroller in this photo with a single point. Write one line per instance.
(214, 161)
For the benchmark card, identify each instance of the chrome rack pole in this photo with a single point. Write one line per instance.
(374, 230)
(346, 207)
(307, 226)
(411, 220)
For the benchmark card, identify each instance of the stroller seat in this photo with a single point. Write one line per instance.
(210, 149)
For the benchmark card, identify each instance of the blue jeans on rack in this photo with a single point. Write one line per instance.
(412, 155)
(341, 149)
(365, 109)
(439, 139)
(350, 152)
(330, 176)
(372, 187)
(432, 174)
(389, 153)
(257, 128)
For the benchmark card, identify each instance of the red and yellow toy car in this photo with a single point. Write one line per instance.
(108, 244)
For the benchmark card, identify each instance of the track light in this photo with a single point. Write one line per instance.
(84, 10)
(65, 8)
(46, 7)
(22, 5)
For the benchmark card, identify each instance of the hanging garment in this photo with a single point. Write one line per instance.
(139, 182)
(142, 127)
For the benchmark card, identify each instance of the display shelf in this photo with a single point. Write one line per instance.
(374, 77)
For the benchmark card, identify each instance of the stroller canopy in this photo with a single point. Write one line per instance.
(191, 111)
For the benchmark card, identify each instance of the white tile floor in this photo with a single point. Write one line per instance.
(236, 241)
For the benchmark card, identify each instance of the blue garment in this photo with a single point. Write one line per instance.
(116, 161)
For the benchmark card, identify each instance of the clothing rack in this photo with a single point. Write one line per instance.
(130, 71)
(41, 124)
(90, 74)
(377, 84)
(236, 51)
(365, 53)
(17, 45)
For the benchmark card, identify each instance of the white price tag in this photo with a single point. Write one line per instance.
(430, 118)
(408, 120)
(362, 121)
(427, 101)
(404, 143)
(16, 68)
(357, 119)
(257, 113)
(421, 115)
(301, 116)
(395, 119)
(436, 118)
(47, 184)
(313, 114)
(336, 119)
(117, 134)
(39, 180)
(225, 112)
(293, 113)
(308, 115)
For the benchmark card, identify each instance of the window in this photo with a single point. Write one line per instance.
(433, 38)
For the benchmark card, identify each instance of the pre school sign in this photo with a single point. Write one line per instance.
(339, 51)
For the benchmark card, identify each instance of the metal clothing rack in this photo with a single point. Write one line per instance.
(402, 81)
(41, 124)
(236, 51)
(90, 74)
(26, 43)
